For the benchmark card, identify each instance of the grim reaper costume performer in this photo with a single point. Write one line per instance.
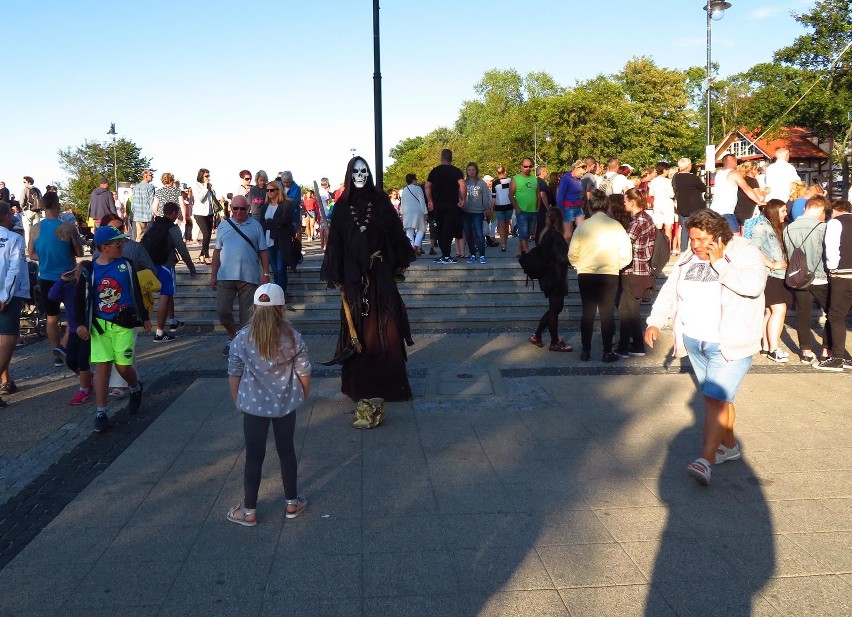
(367, 248)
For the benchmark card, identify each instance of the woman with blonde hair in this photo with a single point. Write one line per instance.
(746, 207)
(269, 376)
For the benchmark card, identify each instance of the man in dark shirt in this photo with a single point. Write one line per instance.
(689, 193)
(445, 195)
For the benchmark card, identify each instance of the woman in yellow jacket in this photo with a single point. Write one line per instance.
(599, 249)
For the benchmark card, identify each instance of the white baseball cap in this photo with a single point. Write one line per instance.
(269, 294)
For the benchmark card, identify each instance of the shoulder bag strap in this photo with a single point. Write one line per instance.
(244, 237)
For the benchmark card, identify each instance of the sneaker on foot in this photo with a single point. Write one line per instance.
(8, 388)
(830, 364)
(482, 259)
(724, 453)
(621, 353)
(174, 327)
(699, 470)
(807, 358)
(610, 357)
(451, 260)
(81, 398)
(776, 355)
(471, 259)
(560, 346)
(58, 362)
(847, 364)
(102, 423)
(135, 399)
(165, 337)
(439, 260)
(60, 353)
(536, 340)
(637, 352)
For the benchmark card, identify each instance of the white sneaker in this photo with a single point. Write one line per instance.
(724, 454)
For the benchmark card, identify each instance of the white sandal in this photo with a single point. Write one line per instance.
(245, 514)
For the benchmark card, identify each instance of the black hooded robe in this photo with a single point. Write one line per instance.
(364, 263)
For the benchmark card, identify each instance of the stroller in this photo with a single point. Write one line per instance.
(33, 319)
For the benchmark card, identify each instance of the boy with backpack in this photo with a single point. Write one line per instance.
(108, 304)
(162, 240)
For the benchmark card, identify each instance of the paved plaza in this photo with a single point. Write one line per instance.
(517, 482)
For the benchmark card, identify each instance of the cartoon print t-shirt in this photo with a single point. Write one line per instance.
(112, 288)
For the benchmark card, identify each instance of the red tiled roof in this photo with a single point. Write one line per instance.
(794, 138)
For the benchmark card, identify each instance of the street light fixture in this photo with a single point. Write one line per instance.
(114, 157)
(715, 10)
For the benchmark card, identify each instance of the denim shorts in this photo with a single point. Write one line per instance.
(572, 213)
(504, 215)
(718, 378)
(525, 222)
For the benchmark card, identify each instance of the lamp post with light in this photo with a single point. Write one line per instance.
(114, 156)
(715, 10)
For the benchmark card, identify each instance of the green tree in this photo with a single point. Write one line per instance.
(86, 163)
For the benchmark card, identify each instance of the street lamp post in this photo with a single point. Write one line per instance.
(715, 10)
(114, 157)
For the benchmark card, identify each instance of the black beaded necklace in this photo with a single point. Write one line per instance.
(362, 227)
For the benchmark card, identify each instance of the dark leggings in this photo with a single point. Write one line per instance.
(205, 225)
(256, 429)
(804, 308)
(597, 293)
(550, 319)
(187, 229)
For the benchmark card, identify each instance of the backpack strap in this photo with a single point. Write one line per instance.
(244, 237)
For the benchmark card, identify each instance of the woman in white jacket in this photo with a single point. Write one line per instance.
(714, 300)
(413, 210)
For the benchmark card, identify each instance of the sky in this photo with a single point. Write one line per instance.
(283, 85)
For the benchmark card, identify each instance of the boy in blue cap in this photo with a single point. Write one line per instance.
(109, 305)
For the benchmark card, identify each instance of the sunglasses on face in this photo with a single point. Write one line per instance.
(239, 209)
(271, 190)
(247, 179)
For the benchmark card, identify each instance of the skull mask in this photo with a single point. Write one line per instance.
(360, 173)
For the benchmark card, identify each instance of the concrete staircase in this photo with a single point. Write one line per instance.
(438, 297)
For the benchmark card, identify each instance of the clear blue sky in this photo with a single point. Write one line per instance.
(288, 85)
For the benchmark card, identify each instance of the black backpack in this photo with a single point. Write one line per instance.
(660, 256)
(798, 276)
(534, 263)
(32, 200)
(156, 240)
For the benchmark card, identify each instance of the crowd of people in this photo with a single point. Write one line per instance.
(602, 220)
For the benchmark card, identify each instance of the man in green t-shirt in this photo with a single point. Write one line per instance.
(525, 198)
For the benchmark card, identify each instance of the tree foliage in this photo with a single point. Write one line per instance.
(87, 163)
(642, 114)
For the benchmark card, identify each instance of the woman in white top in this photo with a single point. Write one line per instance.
(203, 211)
(413, 210)
(660, 189)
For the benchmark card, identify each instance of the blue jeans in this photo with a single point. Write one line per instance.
(472, 222)
(278, 267)
(526, 224)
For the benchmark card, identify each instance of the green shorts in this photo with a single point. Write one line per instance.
(114, 345)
